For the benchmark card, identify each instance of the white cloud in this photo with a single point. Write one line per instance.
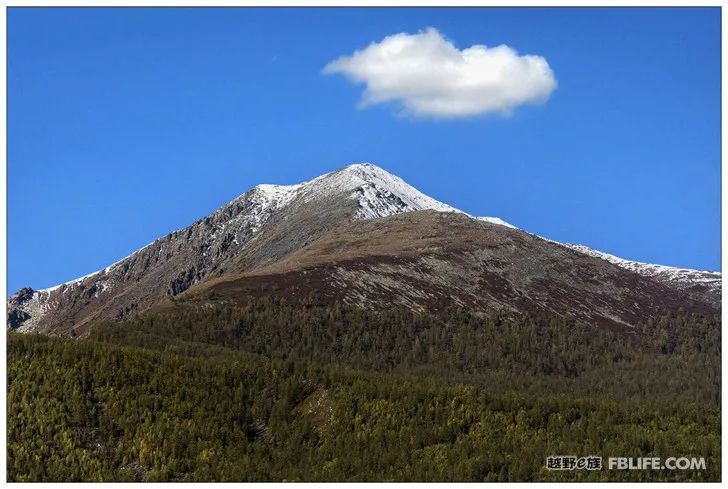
(430, 77)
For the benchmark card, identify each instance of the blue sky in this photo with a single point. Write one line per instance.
(126, 124)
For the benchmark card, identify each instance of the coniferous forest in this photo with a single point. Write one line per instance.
(277, 391)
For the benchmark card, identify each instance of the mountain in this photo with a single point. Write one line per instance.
(364, 236)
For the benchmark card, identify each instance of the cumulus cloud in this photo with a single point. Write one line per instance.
(430, 77)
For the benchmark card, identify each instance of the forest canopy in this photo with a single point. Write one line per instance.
(278, 391)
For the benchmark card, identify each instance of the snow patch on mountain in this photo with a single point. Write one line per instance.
(680, 277)
(66, 285)
(265, 200)
(69, 283)
(275, 196)
(497, 220)
(382, 194)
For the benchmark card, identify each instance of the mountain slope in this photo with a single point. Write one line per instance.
(428, 261)
(339, 221)
(697, 283)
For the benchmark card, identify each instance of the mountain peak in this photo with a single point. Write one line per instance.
(378, 192)
(363, 166)
(365, 171)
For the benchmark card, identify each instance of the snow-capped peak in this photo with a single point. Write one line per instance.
(379, 193)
